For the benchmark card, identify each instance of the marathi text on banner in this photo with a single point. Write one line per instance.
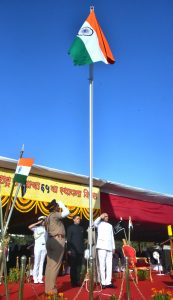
(44, 189)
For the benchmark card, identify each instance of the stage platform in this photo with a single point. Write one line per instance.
(141, 291)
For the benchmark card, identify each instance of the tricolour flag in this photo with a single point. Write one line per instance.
(130, 223)
(23, 168)
(90, 45)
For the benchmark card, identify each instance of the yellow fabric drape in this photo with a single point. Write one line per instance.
(26, 205)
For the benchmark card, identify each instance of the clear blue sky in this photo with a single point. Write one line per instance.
(44, 99)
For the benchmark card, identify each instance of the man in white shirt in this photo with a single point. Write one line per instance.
(105, 249)
(40, 237)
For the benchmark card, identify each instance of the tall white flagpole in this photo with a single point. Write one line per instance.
(91, 83)
(91, 72)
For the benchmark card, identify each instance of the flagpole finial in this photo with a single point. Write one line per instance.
(91, 8)
(22, 151)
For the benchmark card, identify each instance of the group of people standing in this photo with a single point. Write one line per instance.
(50, 238)
(49, 235)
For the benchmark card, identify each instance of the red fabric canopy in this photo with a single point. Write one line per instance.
(139, 210)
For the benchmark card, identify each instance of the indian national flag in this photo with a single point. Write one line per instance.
(90, 45)
(130, 223)
(23, 168)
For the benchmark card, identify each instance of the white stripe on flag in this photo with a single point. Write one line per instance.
(92, 45)
(23, 170)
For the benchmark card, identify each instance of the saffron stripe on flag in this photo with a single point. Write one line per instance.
(25, 162)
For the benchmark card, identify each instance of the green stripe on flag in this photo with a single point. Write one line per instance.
(20, 178)
(79, 53)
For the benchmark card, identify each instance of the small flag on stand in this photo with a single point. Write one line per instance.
(22, 171)
(119, 226)
(90, 45)
(130, 223)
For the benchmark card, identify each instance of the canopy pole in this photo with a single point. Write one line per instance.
(11, 193)
(11, 210)
(3, 264)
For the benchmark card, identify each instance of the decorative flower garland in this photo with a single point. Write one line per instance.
(26, 205)
(161, 295)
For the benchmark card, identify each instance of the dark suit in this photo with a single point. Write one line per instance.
(75, 248)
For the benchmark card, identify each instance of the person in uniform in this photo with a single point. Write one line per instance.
(55, 243)
(105, 249)
(75, 249)
(40, 237)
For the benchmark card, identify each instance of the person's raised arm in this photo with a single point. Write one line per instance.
(99, 219)
(35, 224)
(65, 211)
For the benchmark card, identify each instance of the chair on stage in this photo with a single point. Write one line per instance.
(136, 263)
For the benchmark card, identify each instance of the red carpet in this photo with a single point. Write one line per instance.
(143, 290)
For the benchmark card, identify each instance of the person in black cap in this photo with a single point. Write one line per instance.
(75, 249)
(55, 243)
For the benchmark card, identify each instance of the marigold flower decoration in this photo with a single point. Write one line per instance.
(55, 296)
(161, 294)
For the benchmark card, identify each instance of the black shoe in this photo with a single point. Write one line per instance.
(75, 284)
(110, 286)
(78, 284)
(104, 286)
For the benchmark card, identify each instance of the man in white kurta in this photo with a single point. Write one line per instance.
(40, 237)
(105, 248)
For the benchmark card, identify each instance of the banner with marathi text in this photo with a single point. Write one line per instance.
(44, 189)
